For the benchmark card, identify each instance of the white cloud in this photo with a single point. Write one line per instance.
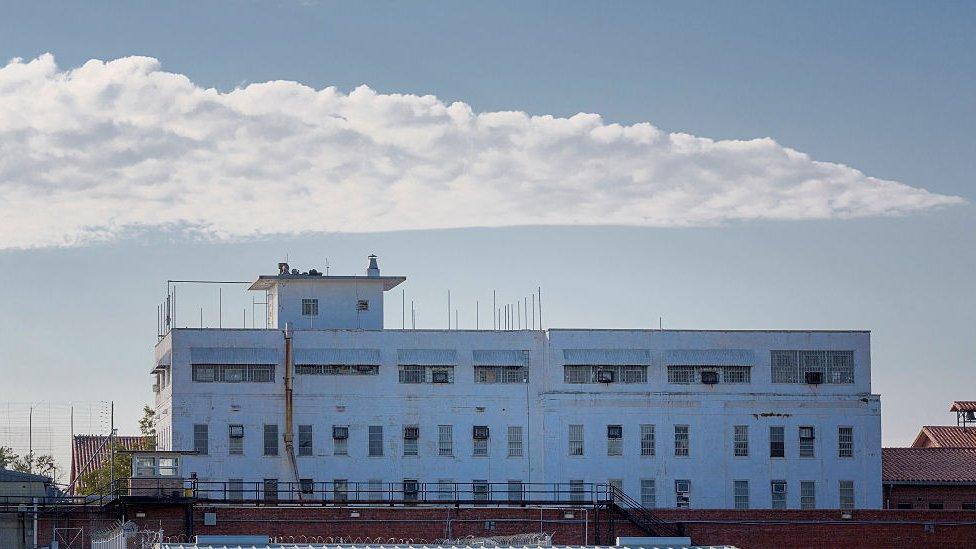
(108, 149)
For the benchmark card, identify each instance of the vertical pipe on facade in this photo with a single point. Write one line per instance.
(289, 404)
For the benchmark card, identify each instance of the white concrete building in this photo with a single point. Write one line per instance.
(698, 418)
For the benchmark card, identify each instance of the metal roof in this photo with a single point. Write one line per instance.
(337, 356)
(265, 282)
(427, 357)
(710, 357)
(624, 357)
(500, 357)
(233, 355)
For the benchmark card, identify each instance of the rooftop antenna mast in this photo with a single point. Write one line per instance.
(327, 266)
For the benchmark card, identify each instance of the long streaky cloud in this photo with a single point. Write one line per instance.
(115, 148)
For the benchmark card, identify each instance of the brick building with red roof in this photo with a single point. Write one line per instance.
(89, 452)
(939, 470)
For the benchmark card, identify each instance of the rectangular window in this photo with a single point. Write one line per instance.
(576, 490)
(501, 374)
(340, 489)
(337, 369)
(966, 505)
(683, 374)
(515, 490)
(610, 373)
(445, 489)
(411, 489)
(807, 441)
(830, 366)
(306, 485)
(375, 440)
(847, 494)
(340, 440)
(479, 440)
(235, 489)
(741, 441)
(740, 494)
(616, 486)
(310, 307)
(479, 489)
(845, 442)
(201, 438)
(648, 493)
(647, 440)
(411, 374)
(808, 494)
(374, 490)
(682, 493)
(445, 440)
(304, 440)
(514, 441)
(233, 373)
(615, 440)
(235, 442)
(936, 505)
(778, 494)
(777, 442)
(411, 440)
(271, 489)
(270, 440)
(681, 441)
(576, 440)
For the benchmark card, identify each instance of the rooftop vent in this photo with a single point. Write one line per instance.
(373, 269)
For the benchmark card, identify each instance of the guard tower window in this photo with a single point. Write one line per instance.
(310, 307)
(362, 305)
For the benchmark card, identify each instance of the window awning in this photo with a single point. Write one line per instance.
(337, 356)
(610, 357)
(501, 357)
(710, 357)
(233, 355)
(427, 357)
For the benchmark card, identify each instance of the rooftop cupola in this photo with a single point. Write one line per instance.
(373, 270)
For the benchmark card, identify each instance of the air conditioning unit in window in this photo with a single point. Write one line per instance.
(411, 433)
(615, 431)
(813, 378)
(709, 377)
(236, 431)
(779, 488)
(480, 432)
(439, 377)
(604, 376)
(682, 487)
(340, 433)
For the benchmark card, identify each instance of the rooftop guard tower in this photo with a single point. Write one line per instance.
(311, 300)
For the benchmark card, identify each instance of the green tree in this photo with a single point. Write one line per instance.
(7, 456)
(35, 464)
(147, 425)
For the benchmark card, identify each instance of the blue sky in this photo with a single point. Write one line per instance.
(885, 89)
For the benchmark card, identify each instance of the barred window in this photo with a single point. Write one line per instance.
(445, 489)
(576, 440)
(845, 442)
(740, 494)
(445, 440)
(233, 373)
(615, 440)
(304, 440)
(337, 369)
(270, 440)
(741, 441)
(808, 494)
(648, 493)
(201, 438)
(340, 489)
(588, 373)
(778, 494)
(514, 441)
(685, 374)
(310, 307)
(808, 440)
(515, 490)
(235, 442)
(271, 489)
(501, 374)
(479, 488)
(415, 373)
(777, 442)
(792, 366)
(479, 445)
(375, 440)
(681, 441)
(411, 440)
(576, 490)
(847, 494)
(647, 440)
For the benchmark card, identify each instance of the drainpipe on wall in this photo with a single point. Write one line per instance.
(290, 405)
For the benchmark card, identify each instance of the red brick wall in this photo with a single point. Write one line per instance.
(746, 529)
(951, 497)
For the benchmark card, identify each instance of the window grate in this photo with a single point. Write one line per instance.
(445, 440)
(201, 439)
(686, 374)
(233, 373)
(501, 374)
(514, 441)
(777, 442)
(375, 446)
(576, 440)
(845, 442)
(310, 307)
(304, 440)
(648, 493)
(835, 367)
(807, 442)
(741, 441)
(740, 494)
(270, 440)
(808, 494)
(681, 441)
(777, 490)
(647, 440)
(590, 373)
(847, 494)
(337, 369)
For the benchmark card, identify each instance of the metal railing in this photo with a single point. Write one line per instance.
(641, 516)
